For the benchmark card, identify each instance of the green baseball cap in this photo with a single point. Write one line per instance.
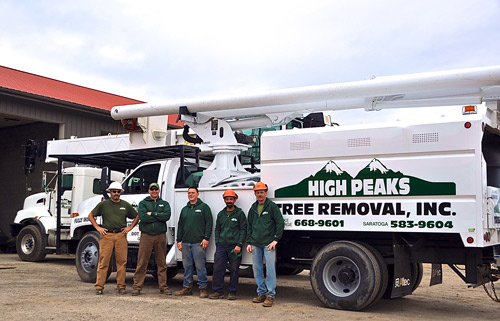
(154, 185)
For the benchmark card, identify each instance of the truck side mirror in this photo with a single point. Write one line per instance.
(105, 181)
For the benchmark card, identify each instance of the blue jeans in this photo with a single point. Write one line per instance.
(220, 262)
(265, 286)
(194, 252)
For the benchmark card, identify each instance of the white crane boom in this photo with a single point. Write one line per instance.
(424, 89)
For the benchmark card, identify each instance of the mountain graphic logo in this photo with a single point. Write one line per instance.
(375, 179)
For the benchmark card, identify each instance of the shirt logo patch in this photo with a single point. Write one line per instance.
(122, 208)
(265, 213)
(234, 219)
(160, 205)
(197, 211)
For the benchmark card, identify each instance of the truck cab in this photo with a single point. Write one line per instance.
(35, 225)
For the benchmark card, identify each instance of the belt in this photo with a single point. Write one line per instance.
(114, 231)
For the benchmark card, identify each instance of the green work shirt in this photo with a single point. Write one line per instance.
(114, 215)
(231, 227)
(265, 227)
(195, 223)
(156, 223)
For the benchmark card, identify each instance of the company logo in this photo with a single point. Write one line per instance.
(373, 180)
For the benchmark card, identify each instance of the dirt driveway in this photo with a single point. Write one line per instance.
(52, 290)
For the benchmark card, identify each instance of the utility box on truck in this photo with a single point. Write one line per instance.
(416, 192)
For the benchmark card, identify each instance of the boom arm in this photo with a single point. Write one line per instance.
(413, 90)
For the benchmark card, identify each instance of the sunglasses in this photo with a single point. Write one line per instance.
(153, 189)
(115, 192)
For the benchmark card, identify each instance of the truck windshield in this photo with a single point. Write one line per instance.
(67, 182)
(138, 182)
(254, 151)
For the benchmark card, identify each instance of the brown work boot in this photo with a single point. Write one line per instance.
(184, 291)
(269, 302)
(203, 293)
(259, 298)
(216, 295)
(136, 292)
(231, 296)
(122, 291)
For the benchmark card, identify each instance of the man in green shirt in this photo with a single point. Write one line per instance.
(113, 232)
(230, 233)
(265, 228)
(154, 214)
(193, 234)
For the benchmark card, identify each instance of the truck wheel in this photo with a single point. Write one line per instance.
(31, 244)
(346, 275)
(87, 257)
(383, 269)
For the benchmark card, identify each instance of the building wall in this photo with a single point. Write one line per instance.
(51, 121)
(77, 122)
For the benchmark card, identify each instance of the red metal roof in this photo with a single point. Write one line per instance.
(34, 84)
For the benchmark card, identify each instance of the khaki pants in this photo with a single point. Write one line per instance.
(118, 242)
(146, 244)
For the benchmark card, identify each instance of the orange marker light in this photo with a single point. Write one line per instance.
(470, 109)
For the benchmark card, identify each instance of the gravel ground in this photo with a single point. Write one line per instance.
(52, 290)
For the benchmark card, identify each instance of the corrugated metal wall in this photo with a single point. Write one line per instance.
(81, 123)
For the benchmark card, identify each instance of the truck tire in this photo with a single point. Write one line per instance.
(346, 275)
(383, 268)
(87, 257)
(31, 244)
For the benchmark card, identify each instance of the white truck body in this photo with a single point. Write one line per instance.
(364, 205)
(421, 176)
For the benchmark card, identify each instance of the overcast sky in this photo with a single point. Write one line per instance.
(158, 51)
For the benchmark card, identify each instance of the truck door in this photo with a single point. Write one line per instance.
(136, 187)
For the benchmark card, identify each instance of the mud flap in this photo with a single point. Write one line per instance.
(436, 274)
(403, 279)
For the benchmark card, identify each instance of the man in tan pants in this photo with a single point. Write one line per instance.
(154, 214)
(113, 232)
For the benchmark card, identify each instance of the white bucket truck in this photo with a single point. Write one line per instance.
(364, 205)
